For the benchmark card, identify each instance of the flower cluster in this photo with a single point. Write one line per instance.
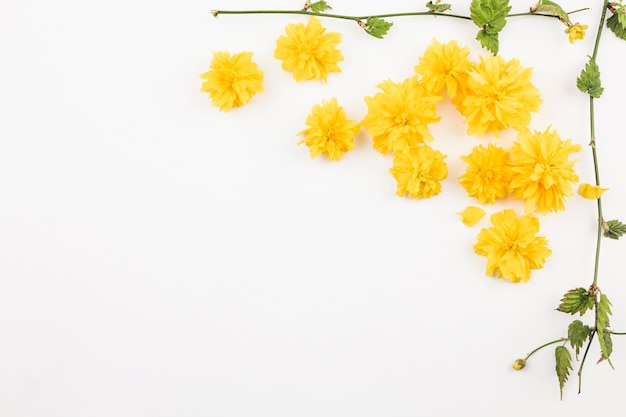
(492, 95)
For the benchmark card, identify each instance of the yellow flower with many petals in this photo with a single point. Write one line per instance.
(308, 51)
(576, 32)
(488, 174)
(445, 66)
(543, 172)
(329, 131)
(232, 79)
(418, 171)
(500, 95)
(511, 246)
(398, 118)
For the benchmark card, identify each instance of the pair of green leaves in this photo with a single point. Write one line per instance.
(490, 16)
(579, 300)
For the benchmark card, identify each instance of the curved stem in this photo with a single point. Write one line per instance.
(216, 13)
(563, 339)
(545, 14)
(336, 16)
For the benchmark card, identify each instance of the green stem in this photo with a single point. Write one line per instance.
(582, 362)
(216, 13)
(336, 16)
(545, 14)
(563, 339)
(593, 147)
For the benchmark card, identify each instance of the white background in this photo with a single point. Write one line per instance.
(159, 257)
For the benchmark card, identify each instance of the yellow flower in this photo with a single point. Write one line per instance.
(232, 79)
(445, 66)
(329, 131)
(471, 215)
(500, 95)
(418, 171)
(592, 192)
(542, 170)
(511, 247)
(308, 51)
(488, 175)
(398, 118)
(576, 32)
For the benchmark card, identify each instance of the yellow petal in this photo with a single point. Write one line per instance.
(471, 215)
(592, 192)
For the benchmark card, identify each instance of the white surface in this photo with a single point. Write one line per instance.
(161, 258)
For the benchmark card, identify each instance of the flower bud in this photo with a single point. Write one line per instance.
(519, 364)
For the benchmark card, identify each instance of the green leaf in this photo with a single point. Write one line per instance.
(319, 6)
(589, 80)
(488, 41)
(577, 333)
(621, 16)
(376, 26)
(602, 323)
(616, 27)
(490, 16)
(546, 6)
(614, 229)
(563, 365)
(575, 301)
(438, 7)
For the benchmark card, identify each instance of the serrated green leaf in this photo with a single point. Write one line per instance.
(563, 365)
(616, 27)
(546, 6)
(490, 42)
(615, 229)
(589, 80)
(577, 333)
(490, 16)
(437, 6)
(575, 301)
(603, 312)
(377, 27)
(319, 6)
(619, 10)
(621, 16)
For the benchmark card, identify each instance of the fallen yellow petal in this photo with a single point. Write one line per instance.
(592, 192)
(471, 215)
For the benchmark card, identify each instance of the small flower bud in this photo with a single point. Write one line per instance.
(214, 13)
(519, 364)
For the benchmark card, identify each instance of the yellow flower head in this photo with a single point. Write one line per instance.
(511, 247)
(542, 171)
(418, 171)
(445, 66)
(500, 95)
(398, 118)
(329, 131)
(232, 79)
(576, 32)
(308, 51)
(488, 175)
